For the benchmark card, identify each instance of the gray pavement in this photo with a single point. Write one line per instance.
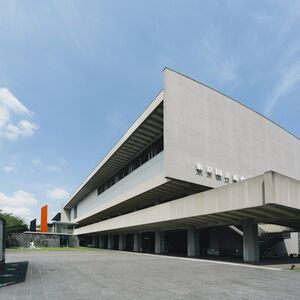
(104, 274)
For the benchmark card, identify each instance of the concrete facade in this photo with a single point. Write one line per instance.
(194, 167)
(202, 125)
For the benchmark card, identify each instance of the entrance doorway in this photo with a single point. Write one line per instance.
(129, 240)
(116, 242)
(64, 240)
(148, 242)
(204, 242)
(105, 241)
(176, 242)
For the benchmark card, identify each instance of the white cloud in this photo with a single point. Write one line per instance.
(22, 212)
(18, 204)
(18, 198)
(4, 115)
(292, 16)
(11, 131)
(23, 128)
(117, 120)
(27, 128)
(214, 61)
(8, 169)
(49, 167)
(57, 194)
(10, 105)
(228, 69)
(53, 168)
(63, 161)
(261, 17)
(290, 78)
(36, 161)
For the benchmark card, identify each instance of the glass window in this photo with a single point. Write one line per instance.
(146, 155)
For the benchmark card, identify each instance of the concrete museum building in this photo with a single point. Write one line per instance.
(197, 174)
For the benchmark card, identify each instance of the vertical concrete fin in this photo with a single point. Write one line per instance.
(269, 195)
(192, 242)
(136, 242)
(159, 242)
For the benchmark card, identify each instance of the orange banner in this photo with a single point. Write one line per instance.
(44, 217)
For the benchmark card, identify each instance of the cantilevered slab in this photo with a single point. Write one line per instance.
(259, 194)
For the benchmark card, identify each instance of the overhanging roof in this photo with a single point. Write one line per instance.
(146, 129)
(172, 189)
(57, 217)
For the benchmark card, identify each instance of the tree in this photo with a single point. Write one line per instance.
(14, 224)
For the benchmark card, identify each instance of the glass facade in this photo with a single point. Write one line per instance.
(64, 228)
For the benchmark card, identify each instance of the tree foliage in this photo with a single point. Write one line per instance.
(14, 224)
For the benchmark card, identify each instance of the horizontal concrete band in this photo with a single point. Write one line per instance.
(270, 191)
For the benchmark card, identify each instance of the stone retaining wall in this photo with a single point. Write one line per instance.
(73, 241)
(40, 240)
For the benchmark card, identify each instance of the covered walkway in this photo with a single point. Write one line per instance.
(269, 198)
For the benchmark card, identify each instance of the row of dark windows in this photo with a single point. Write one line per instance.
(146, 155)
(75, 211)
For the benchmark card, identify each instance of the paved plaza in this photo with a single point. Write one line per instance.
(104, 274)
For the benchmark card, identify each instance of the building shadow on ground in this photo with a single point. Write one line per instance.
(280, 260)
(12, 273)
(276, 261)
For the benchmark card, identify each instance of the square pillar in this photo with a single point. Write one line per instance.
(159, 242)
(110, 241)
(121, 242)
(250, 242)
(95, 242)
(101, 242)
(136, 242)
(192, 242)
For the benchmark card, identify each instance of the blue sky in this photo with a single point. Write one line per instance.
(74, 75)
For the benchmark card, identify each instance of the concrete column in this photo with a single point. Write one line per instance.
(110, 242)
(159, 242)
(95, 242)
(101, 242)
(136, 242)
(250, 242)
(121, 242)
(192, 242)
